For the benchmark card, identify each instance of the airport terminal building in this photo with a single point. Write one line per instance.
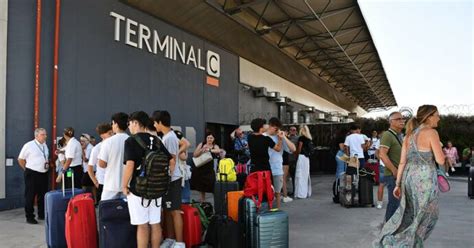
(213, 64)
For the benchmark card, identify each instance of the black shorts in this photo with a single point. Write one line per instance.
(172, 200)
(86, 180)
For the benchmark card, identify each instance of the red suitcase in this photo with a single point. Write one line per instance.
(81, 224)
(374, 166)
(192, 226)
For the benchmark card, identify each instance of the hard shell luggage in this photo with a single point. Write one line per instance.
(220, 192)
(470, 183)
(374, 166)
(55, 205)
(348, 196)
(366, 189)
(192, 230)
(233, 198)
(222, 231)
(247, 216)
(115, 229)
(271, 229)
(81, 225)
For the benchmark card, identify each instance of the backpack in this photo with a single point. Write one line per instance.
(259, 184)
(153, 180)
(226, 170)
(310, 149)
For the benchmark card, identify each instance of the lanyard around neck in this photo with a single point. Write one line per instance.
(41, 148)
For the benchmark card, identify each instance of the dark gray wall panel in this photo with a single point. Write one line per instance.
(99, 76)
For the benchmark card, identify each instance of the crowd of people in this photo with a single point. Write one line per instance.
(109, 169)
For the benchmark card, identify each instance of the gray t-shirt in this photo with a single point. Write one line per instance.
(171, 142)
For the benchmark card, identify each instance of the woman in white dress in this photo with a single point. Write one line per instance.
(302, 178)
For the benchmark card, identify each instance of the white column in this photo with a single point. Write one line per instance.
(3, 90)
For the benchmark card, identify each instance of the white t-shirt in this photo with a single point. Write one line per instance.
(171, 142)
(111, 152)
(36, 155)
(355, 142)
(88, 156)
(375, 146)
(99, 171)
(74, 151)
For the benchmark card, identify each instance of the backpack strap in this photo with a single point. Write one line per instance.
(260, 189)
(140, 142)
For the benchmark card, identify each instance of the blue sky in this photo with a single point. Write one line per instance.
(426, 48)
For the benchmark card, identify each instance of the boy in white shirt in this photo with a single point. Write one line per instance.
(111, 157)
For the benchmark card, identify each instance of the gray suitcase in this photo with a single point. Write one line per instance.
(247, 218)
(271, 229)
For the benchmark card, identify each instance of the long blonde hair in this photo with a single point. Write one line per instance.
(304, 131)
(421, 117)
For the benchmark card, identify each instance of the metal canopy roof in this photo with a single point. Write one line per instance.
(330, 38)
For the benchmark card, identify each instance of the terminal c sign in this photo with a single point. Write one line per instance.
(140, 36)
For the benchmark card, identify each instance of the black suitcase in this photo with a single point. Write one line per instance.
(220, 192)
(470, 183)
(366, 190)
(223, 232)
(348, 190)
(115, 229)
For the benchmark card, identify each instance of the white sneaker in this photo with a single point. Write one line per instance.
(287, 199)
(379, 205)
(168, 243)
(447, 174)
(179, 245)
(452, 169)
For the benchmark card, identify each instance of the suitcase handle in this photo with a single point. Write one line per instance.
(64, 186)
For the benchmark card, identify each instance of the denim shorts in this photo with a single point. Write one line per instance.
(381, 173)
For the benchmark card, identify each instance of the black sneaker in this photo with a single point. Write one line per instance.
(31, 221)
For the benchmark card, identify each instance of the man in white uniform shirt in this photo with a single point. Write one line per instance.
(111, 157)
(73, 155)
(355, 144)
(33, 159)
(96, 173)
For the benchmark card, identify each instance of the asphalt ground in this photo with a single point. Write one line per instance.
(314, 222)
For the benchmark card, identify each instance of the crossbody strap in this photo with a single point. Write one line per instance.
(396, 137)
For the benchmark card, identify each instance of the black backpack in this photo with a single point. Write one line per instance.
(153, 180)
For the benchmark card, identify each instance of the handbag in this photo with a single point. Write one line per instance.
(203, 159)
(443, 183)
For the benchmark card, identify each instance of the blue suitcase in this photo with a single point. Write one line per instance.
(55, 205)
(115, 230)
(247, 217)
(271, 230)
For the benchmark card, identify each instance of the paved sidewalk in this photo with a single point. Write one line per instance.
(314, 222)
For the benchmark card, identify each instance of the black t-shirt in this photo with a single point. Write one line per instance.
(306, 145)
(133, 151)
(258, 146)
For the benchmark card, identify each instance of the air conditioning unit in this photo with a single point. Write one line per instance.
(332, 119)
(282, 100)
(320, 116)
(260, 92)
(348, 120)
(309, 109)
(273, 95)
